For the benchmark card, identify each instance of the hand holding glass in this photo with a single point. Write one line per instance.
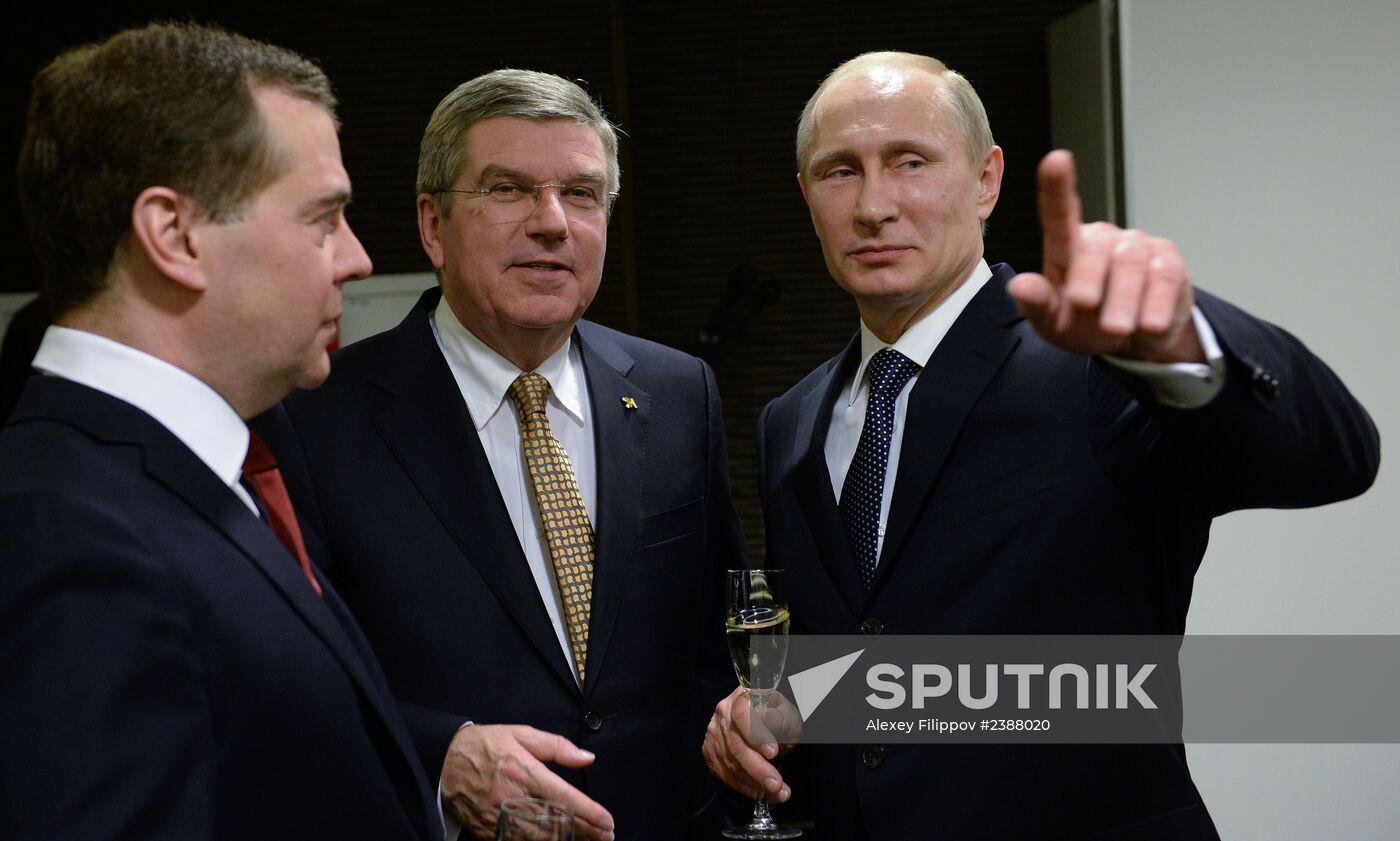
(756, 628)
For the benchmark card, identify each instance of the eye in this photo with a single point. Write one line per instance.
(912, 164)
(506, 191)
(581, 196)
(330, 222)
(841, 173)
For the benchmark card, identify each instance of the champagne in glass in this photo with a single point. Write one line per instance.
(757, 638)
(756, 628)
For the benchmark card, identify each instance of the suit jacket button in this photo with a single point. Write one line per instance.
(873, 756)
(872, 627)
(593, 722)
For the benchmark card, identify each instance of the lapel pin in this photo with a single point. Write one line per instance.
(629, 404)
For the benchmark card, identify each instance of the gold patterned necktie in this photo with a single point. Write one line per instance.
(566, 526)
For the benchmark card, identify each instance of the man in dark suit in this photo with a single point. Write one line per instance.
(530, 514)
(173, 667)
(997, 453)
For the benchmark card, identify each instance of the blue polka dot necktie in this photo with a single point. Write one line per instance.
(864, 488)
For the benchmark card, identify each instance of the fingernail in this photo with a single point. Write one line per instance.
(771, 784)
(585, 754)
(784, 794)
(770, 750)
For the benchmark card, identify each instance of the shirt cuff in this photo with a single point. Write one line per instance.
(1182, 385)
(450, 828)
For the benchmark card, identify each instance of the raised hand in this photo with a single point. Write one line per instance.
(1103, 289)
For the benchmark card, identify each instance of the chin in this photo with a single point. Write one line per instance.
(881, 287)
(548, 314)
(313, 375)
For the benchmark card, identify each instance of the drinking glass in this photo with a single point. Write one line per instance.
(531, 819)
(756, 628)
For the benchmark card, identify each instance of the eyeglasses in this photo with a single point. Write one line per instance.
(581, 196)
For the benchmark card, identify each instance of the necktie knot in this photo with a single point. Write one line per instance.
(889, 371)
(529, 393)
(259, 458)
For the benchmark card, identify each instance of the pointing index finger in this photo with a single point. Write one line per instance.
(1060, 213)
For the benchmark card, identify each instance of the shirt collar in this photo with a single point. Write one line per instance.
(485, 376)
(922, 337)
(182, 403)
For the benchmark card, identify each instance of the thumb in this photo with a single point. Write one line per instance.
(1037, 298)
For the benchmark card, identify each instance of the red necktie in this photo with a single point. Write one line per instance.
(260, 469)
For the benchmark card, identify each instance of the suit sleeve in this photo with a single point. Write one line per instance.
(105, 731)
(724, 550)
(1284, 432)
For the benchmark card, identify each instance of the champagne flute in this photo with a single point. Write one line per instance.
(531, 819)
(756, 628)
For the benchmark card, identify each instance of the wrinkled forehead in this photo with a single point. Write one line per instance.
(547, 149)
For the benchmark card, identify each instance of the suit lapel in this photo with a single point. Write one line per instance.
(813, 479)
(174, 466)
(619, 442)
(965, 361)
(170, 463)
(427, 427)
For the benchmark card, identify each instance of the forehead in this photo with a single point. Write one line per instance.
(543, 148)
(879, 104)
(304, 138)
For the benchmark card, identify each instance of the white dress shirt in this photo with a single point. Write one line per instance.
(1182, 385)
(484, 378)
(182, 403)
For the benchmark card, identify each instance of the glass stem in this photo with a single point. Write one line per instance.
(761, 819)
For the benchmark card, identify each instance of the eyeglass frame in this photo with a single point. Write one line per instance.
(534, 192)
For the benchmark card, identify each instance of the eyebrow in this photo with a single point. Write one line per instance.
(503, 172)
(330, 201)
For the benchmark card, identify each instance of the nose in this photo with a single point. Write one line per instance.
(547, 218)
(876, 202)
(351, 260)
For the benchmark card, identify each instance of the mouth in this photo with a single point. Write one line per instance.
(878, 253)
(541, 266)
(878, 249)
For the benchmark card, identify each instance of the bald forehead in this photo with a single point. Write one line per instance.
(879, 81)
(864, 96)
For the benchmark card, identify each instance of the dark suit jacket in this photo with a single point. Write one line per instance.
(1039, 492)
(168, 672)
(421, 546)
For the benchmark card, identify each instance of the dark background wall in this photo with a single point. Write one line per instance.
(708, 95)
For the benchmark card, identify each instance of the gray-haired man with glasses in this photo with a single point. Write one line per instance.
(530, 514)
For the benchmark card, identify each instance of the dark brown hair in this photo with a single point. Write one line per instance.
(170, 104)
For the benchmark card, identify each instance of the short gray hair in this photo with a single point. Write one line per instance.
(505, 93)
(957, 91)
